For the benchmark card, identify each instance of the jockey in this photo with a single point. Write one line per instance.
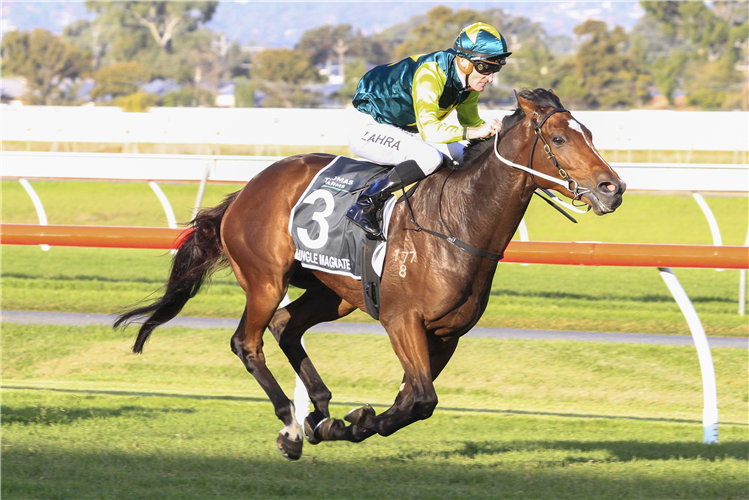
(408, 101)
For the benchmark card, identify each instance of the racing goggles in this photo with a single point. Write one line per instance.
(489, 66)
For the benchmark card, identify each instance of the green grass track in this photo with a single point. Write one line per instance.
(85, 419)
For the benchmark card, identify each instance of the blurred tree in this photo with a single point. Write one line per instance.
(320, 43)
(699, 48)
(189, 97)
(661, 54)
(120, 79)
(163, 21)
(282, 74)
(206, 58)
(603, 74)
(137, 102)
(439, 32)
(355, 69)
(284, 65)
(244, 93)
(167, 37)
(45, 60)
(79, 34)
(384, 43)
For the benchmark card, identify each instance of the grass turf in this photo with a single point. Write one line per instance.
(84, 418)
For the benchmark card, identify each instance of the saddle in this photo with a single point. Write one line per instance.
(326, 240)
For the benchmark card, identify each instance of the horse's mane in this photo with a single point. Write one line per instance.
(540, 97)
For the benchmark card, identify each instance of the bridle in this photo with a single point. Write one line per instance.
(566, 181)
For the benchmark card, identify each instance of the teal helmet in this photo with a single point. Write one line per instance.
(481, 41)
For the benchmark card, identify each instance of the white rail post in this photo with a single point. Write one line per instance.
(714, 230)
(172, 220)
(37, 205)
(523, 230)
(710, 394)
(201, 188)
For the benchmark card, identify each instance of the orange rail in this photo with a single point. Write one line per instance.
(91, 236)
(532, 252)
(627, 254)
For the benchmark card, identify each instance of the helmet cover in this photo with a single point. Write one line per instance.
(481, 41)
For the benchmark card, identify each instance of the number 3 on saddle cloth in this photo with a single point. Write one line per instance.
(327, 240)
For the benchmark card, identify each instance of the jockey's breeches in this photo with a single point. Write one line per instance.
(390, 145)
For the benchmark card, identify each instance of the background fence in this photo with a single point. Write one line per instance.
(613, 130)
(224, 168)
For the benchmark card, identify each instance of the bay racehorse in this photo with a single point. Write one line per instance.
(428, 300)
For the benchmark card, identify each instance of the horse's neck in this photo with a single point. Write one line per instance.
(492, 198)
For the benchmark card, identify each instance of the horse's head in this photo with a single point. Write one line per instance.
(563, 148)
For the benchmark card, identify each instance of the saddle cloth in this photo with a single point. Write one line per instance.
(324, 237)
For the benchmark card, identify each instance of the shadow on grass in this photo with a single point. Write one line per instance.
(218, 280)
(57, 415)
(355, 404)
(616, 451)
(649, 298)
(106, 279)
(51, 473)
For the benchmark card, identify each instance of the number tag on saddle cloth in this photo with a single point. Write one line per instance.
(325, 238)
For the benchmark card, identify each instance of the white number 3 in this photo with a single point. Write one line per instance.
(319, 217)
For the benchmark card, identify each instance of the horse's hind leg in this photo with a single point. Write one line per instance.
(317, 304)
(247, 344)
(265, 283)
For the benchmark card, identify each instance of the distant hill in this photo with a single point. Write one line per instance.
(281, 24)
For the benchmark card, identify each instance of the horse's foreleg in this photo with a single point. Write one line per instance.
(401, 414)
(423, 357)
(289, 325)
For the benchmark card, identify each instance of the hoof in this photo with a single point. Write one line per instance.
(359, 414)
(324, 430)
(289, 448)
(309, 430)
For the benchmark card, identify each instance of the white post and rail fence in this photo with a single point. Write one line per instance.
(687, 132)
(154, 168)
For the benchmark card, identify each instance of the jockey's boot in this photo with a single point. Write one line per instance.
(364, 211)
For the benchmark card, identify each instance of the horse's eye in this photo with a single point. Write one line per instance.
(557, 140)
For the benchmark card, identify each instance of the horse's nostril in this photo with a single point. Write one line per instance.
(608, 187)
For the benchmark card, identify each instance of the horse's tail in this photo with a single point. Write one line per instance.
(199, 255)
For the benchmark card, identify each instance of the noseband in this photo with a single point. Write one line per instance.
(566, 181)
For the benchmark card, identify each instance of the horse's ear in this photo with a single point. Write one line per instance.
(517, 97)
(530, 109)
